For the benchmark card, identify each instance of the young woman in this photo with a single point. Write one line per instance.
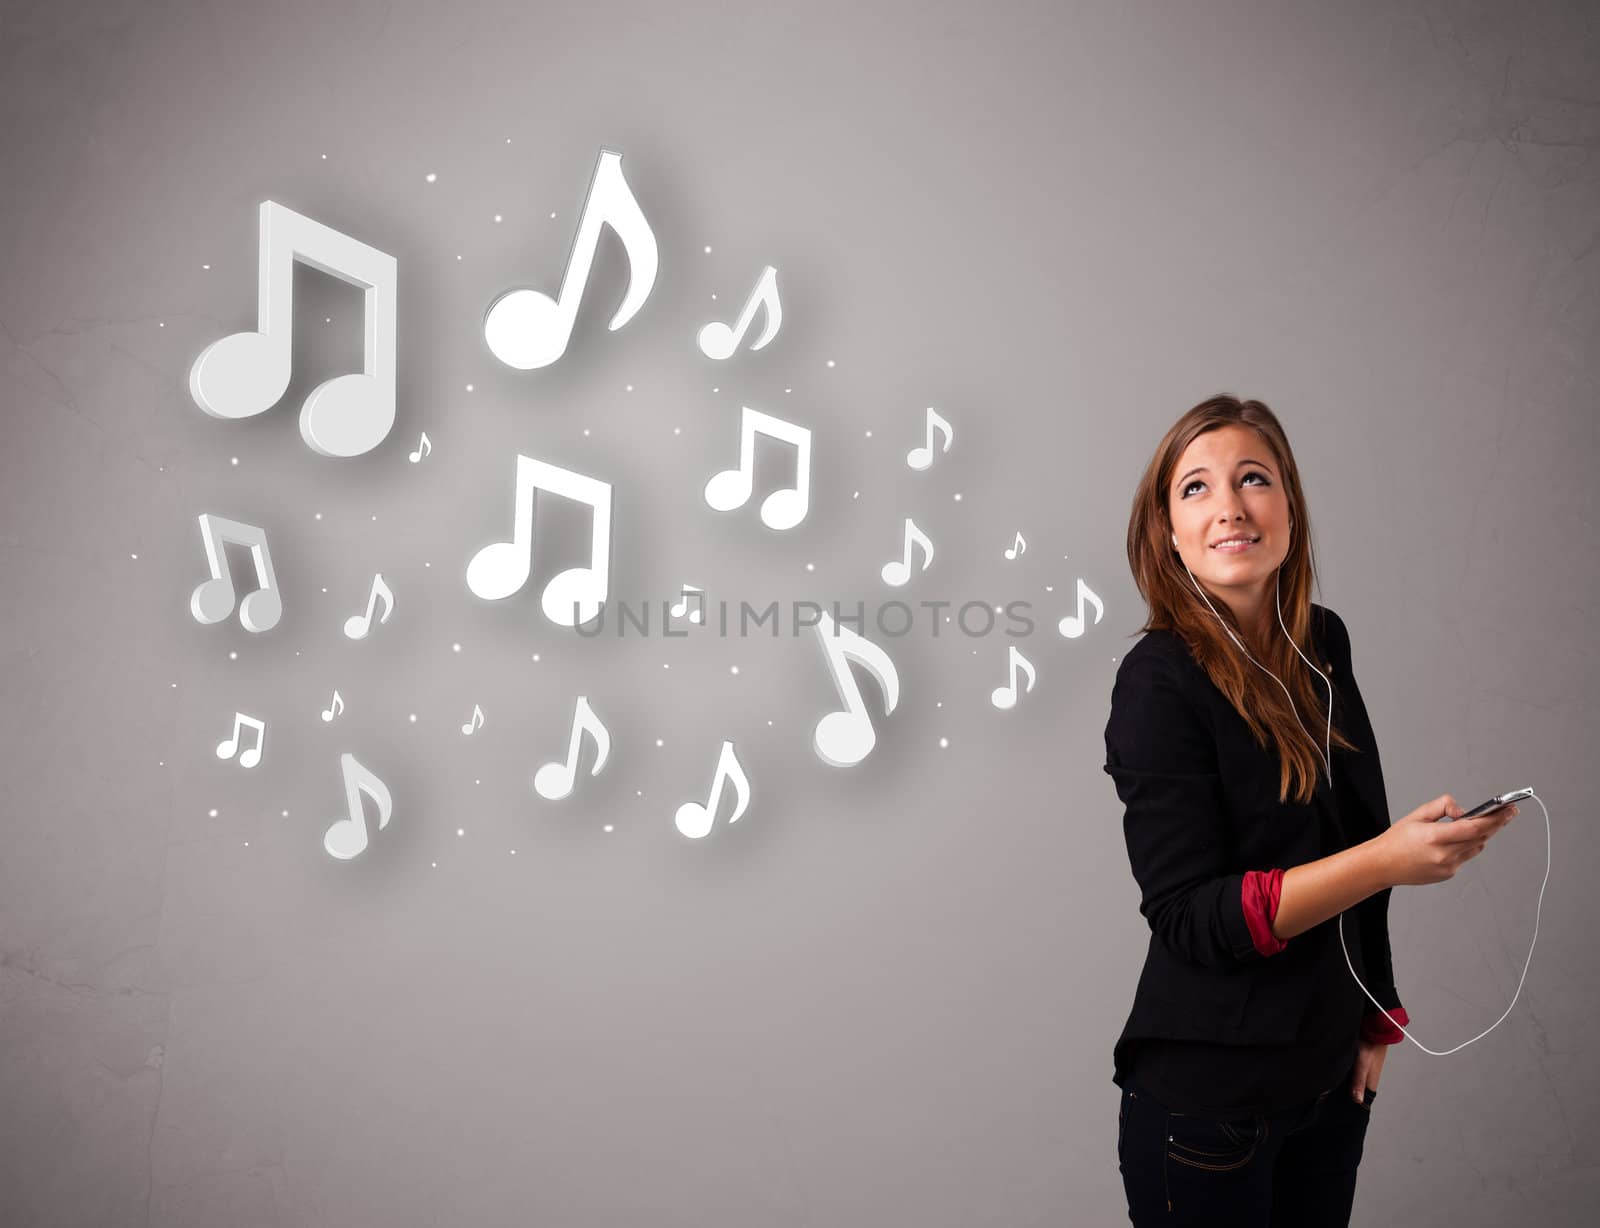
(1258, 832)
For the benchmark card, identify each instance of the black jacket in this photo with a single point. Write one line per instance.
(1202, 808)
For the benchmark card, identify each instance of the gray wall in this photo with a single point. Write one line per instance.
(888, 994)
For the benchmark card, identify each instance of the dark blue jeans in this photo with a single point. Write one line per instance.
(1291, 1169)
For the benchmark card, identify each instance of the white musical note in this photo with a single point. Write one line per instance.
(1072, 625)
(698, 613)
(846, 737)
(424, 448)
(527, 329)
(695, 820)
(357, 625)
(336, 707)
(922, 457)
(1004, 697)
(475, 721)
(347, 837)
(717, 340)
(897, 571)
(213, 599)
(729, 489)
(500, 569)
(554, 781)
(246, 373)
(230, 747)
(1017, 547)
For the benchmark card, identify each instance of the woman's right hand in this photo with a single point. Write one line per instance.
(1419, 849)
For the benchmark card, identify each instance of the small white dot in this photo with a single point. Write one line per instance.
(161, 763)
(630, 387)
(161, 324)
(458, 257)
(733, 669)
(427, 564)
(319, 515)
(435, 865)
(513, 852)
(944, 741)
(247, 844)
(508, 140)
(469, 387)
(664, 665)
(413, 718)
(585, 430)
(1049, 588)
(958, 496)
(608, 827)
(212, 813)
(677, 430)
(432, 177)
(133, 556)
(769, 722)
(477, 782)
(857, 495)
(938, 703)
(461, 831)
(497, 217)
(638, 792)
(233, 460)
(708, 249)
(659, 742)
(327, 319)
(716, 390)
(455, 647)
(552, 217)
(374, 516)
(830, 362)
(999, 609)
(324, 590)
(811, 566)
(535, 656)
(713, 298)
(205, 266)
(233, 656)
(324, 157)
(286, 814)
(174, 686)
(788, 389)
(869, 434)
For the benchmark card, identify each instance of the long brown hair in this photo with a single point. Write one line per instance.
(1175, 606)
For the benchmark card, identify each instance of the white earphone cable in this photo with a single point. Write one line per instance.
(1328, 765)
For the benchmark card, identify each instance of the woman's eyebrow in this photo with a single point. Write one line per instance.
(1246, 461)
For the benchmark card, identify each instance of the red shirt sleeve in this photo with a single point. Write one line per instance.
(1376, 1030)
(1259, 895)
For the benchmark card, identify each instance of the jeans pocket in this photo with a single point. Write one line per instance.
(1216, 1143)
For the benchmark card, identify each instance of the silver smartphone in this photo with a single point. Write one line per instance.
(1494, 803)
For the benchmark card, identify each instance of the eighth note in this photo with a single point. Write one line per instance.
(357, 625)
(1004, 697)
(897, 571)
(717, 340)
(921, 458)
(1016, 547)
(554, 781)
(476, 722)
(229, 748)
(527, 328)
(695, 820)
(333, 709)
(1072, 625)
(846, 737)
(347, 837)
(424, 448)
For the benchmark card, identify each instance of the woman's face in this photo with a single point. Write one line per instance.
(1237, 489)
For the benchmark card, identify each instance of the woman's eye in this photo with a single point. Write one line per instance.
(1197, 482)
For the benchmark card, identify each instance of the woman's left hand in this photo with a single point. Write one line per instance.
(1369, 1068)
